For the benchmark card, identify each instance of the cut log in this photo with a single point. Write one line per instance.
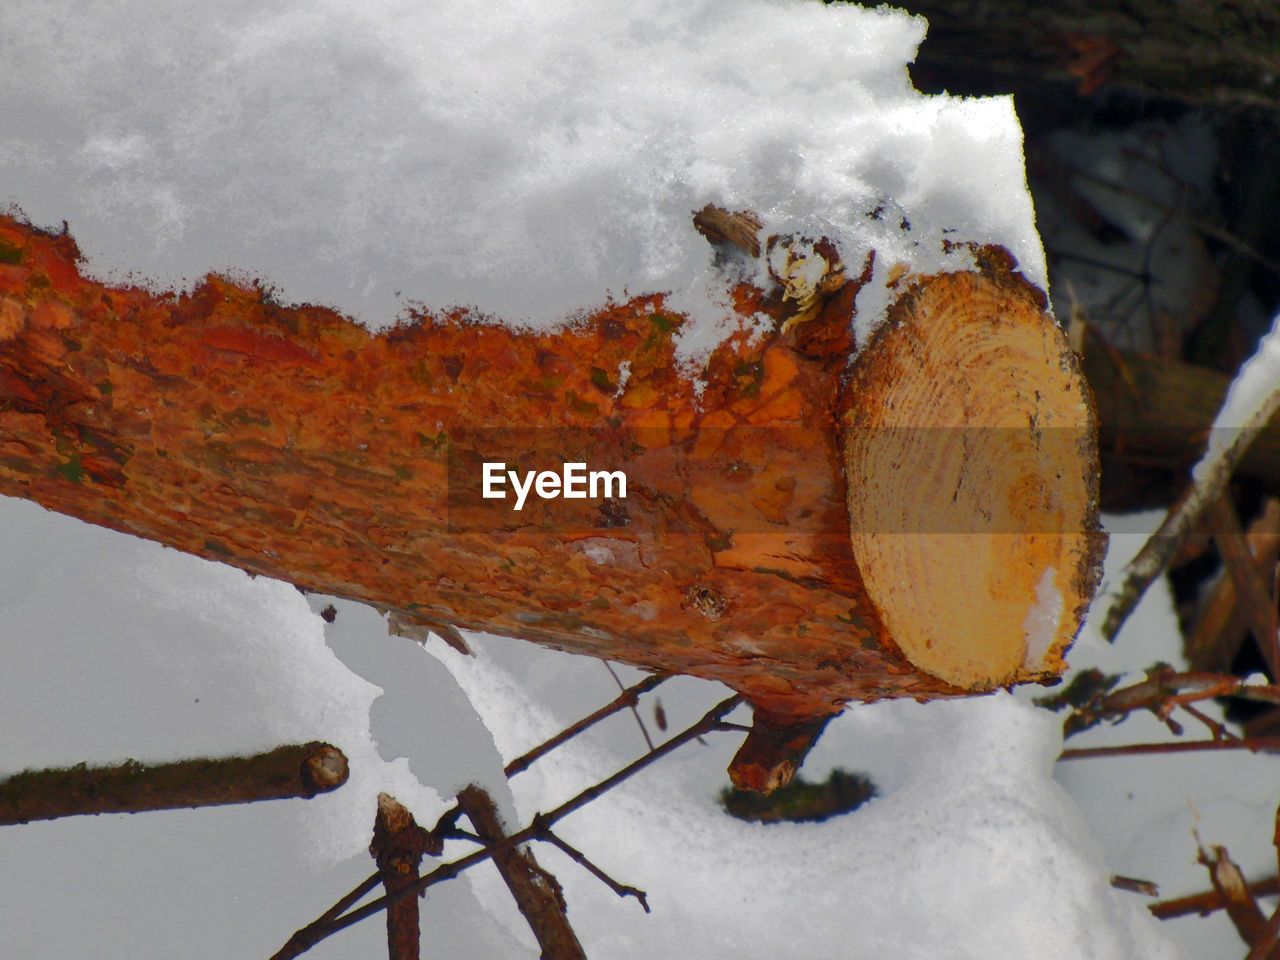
(294, 443)
(972, 520)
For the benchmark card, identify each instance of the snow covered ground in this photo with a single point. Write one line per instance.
(526, 158)
(116, 647)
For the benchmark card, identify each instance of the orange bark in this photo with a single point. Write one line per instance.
(294, 443)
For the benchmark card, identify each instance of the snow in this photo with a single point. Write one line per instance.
(527, 159)
(1041, 624)
(967, 822)
(1146, 809)
(117, 647)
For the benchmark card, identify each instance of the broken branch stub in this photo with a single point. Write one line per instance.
(294, 770)
(753, 542)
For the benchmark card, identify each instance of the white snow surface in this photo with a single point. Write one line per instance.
(529, 159)
(115, 647)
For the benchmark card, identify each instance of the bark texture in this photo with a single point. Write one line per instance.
(398, 847)
(294, 443)
(536, 892)
(296, 770)
(1197, 51)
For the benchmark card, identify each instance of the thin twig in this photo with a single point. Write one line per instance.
(1098, 264)
(1270, 933)
(350, 899)
(707, 723)
(1219, 731)
(1240, 904)
(313, 933)
(1154, 556)
(1206, 227)
(634, 712)
(446, 826)
(1253, 744)
(1220, 624)
(1163, 690)
(578, 857)
(1208, 901)
(627, 698)
(1250, 587)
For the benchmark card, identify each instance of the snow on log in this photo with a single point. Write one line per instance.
(919, 523)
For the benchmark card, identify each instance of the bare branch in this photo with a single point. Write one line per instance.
(1239, 903)
(313, 933)
(1220, 625)
(1154, 556)
(351, 899)
(1219, 730)
(1210, 480)
(537, 893)
(295, 770)
(1163, 691)
(626, 699)
(578, 857)
(446, 827)
(398, 847)
(1208, 901)
(1255, 597)
(1263, 949)
(773, 751)
(1253, 744)
(634, 712)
